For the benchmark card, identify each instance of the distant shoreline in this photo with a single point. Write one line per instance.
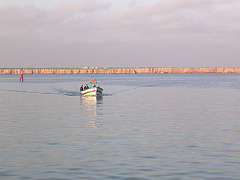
(123, 70)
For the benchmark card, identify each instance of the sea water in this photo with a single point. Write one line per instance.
(152, 126)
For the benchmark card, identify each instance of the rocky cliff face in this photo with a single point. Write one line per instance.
(116, 70)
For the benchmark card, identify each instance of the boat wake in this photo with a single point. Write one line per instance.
(54, 92)
(122, 91)
(19, 91)
(67, 92)
(64, 92)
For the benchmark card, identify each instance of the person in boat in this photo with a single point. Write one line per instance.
(86, 87)
(81, 88)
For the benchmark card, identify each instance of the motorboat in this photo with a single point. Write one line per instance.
(92, 90)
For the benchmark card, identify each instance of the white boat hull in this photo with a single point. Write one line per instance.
(92, 91)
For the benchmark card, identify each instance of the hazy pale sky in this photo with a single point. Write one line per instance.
(119, 33)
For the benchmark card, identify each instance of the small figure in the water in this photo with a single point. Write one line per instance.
(21, 75)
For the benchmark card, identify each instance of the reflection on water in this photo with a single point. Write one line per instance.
(89, 106)
(144, 127)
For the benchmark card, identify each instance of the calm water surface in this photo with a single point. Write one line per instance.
(165, 126)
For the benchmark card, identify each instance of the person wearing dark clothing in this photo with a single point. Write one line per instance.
(81, 88)
(86, 87)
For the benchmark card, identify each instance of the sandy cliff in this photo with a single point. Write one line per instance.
(116, 70)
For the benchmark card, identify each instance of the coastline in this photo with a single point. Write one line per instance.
(123, 70)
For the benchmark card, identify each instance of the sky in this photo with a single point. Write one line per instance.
(124, 33)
